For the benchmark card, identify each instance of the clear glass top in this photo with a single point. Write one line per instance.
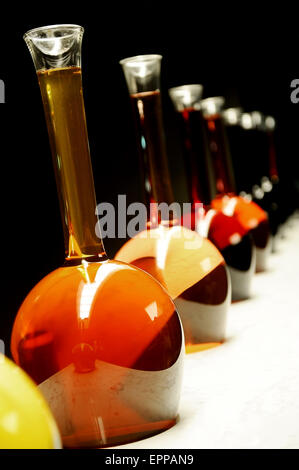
(232, 116)
(257, 119)
(246, 121)
(55, 46)
(270, 123)
(186, 96)
(142, 72)
(212, 105)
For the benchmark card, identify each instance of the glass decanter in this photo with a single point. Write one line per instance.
(189, 266)
(225, 231)
(251, 216)
(101, 338)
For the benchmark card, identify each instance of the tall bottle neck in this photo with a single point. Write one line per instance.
(220, 152)
(147, 112)
(62, 96)
(199, 173)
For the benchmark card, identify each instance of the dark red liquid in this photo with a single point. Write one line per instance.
(211, 290)
(151, 146)
(253, 155)
(220, 153)
(196, 156)
(201, 184)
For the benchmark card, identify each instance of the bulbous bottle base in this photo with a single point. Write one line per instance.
(262, 256)
(241, 280)
(105, 345)
(203, 310)
(138, 404)
(241, 262)
(263, 242)
(193, 272)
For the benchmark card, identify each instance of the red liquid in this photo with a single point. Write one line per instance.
(196, 155)
(147, 113)
(249, 214)
(220, 153)
(225, 232)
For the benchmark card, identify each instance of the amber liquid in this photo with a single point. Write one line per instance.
(101, 339)
(62, 96)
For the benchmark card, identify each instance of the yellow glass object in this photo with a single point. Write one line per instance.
(25, 419)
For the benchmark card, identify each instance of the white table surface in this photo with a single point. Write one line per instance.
(245, 393)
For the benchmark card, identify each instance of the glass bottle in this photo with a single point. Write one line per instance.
(225, 231)
(190, 267)
(25, 419)
(279, 190)
(235, 134)
(257, 173)
(101, 338)
(253, 218)
(277, 196)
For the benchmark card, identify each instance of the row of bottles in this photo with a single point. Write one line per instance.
(104, 340)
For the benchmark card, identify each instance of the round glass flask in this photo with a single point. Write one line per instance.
(188, 265)
(101, 338)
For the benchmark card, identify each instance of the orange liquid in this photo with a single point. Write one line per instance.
(194, 274)
(102, 340)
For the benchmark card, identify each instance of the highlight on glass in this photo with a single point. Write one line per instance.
(101, 338)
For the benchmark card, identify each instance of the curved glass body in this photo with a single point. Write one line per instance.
(225, 231)
(253, 218)
(25, 419)
(102, 339)
(103, 342)
(193, 272)
(191, 268)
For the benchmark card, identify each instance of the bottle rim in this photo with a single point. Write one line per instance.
(73, 27)
(190, 86)
(140, 58)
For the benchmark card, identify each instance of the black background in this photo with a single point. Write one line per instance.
(243, 52)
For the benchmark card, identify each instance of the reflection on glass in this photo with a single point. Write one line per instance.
(101, 339)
